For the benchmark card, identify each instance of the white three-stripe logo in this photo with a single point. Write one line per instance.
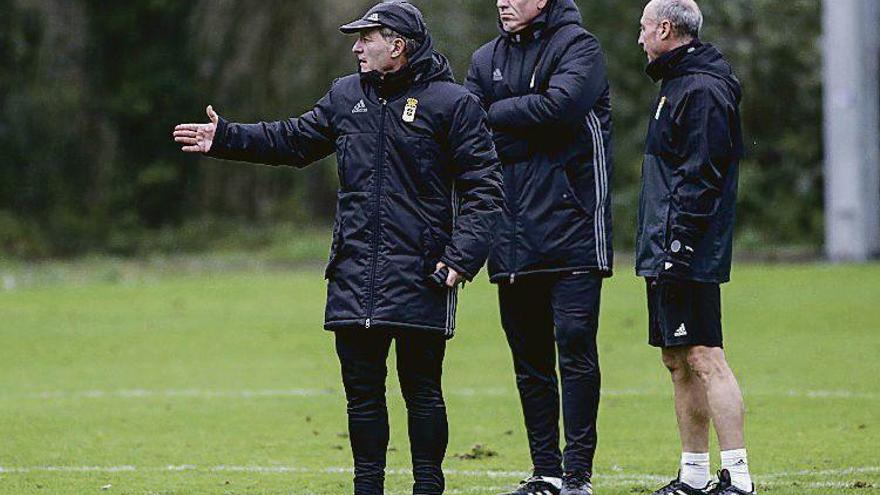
(452, 293)
(601, 176)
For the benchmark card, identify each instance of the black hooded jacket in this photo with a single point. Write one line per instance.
(691, 165)
(419, 183)
(547, 96)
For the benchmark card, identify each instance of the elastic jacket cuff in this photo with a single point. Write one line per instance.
(458, 268)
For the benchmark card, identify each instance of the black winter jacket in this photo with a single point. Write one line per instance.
(419, 183)
(548, 100)
(691, 165)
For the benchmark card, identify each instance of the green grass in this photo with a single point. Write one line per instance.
(183, 382)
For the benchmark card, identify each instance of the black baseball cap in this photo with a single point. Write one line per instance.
(398, 15)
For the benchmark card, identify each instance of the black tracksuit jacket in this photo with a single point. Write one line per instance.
(547, 96)
(691, 164)
(420, 182)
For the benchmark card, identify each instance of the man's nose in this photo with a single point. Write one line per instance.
(501, 3)
(356, 48)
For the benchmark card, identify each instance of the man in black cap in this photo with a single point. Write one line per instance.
(419, 196)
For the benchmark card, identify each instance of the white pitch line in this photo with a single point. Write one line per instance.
(832, 394)
(827, 472)
(182, 393)
(608, 480)
(619, 478)
(137, 393)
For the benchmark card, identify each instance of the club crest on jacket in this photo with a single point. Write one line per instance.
(409, 111)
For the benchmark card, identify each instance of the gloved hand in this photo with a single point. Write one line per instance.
(677, 264)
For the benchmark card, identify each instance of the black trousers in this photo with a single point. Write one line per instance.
(362, 354)
(543, 315)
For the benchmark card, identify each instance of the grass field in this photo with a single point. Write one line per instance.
(224, 383)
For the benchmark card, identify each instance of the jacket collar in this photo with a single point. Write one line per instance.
(664, 66)
(529, 33)
(392, 84)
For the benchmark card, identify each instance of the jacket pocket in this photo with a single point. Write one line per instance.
(640, 232)
(349, 229)
(335, 247)
(571, 196)
(432, 251)
(341, 157)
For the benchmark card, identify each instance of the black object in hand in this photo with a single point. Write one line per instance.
(438, 278)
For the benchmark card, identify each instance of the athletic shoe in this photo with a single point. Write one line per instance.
(677, 487)
(535, 486)
(725, 486)
(576, 484)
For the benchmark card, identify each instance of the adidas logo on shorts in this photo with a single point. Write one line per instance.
(681, 332)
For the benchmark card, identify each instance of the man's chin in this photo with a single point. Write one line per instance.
(510, 26)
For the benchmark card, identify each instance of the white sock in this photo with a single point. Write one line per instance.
(737, 464)
(695, 469)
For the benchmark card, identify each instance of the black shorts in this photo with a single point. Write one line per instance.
(684, 314)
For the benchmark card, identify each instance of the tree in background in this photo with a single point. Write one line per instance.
(89, 91)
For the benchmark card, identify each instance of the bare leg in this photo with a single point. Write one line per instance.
(722, 393)
(691, 406)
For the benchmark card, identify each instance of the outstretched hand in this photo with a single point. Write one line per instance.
(197, 138)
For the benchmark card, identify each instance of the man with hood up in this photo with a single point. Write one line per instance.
(543, 83)
(418, 200)
(685, 240)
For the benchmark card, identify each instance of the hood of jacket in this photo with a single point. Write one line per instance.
(694, 58)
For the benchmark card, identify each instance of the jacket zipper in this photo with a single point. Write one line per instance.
(667, 230)
(514, 206)
(378, 187)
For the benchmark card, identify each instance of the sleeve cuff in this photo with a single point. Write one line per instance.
(219, 138)
(455, 266)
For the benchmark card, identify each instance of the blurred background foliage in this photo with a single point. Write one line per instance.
(90, 90)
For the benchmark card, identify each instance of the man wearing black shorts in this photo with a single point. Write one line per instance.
(686, 216)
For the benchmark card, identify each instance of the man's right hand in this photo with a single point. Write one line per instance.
(197, 138)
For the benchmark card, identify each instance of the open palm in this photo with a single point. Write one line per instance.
(197, 138)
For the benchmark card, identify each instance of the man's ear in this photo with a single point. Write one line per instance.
(665, 28)
(399, 48)
(542, 4)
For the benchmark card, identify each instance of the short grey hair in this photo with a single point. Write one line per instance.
(390, 35)
(684, 15)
